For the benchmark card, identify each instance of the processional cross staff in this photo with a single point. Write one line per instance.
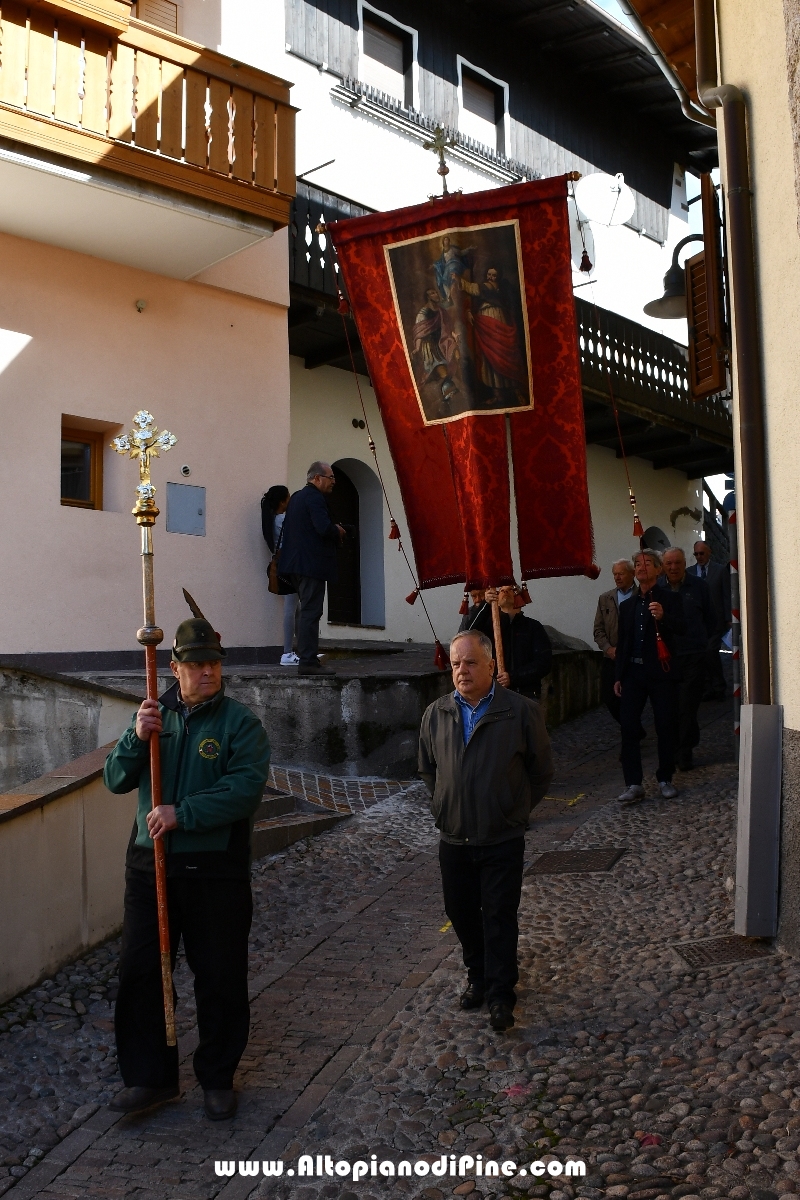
(145, 442)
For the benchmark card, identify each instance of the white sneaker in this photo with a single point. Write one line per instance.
(633, 794)
(668, 790)
(290, 659)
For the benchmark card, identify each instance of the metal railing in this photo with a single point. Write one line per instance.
(91, 93)
(649, 372)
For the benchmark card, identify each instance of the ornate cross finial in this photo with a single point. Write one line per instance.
(144, 442)
(439, 143)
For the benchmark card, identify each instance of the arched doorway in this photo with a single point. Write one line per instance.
(344, 594)
(361, 567)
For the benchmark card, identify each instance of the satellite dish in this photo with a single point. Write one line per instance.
(606, 199)
(580, 235)
(656, 539)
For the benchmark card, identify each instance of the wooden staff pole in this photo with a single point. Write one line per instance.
(498, 637)
(143, 443)
(150, 636)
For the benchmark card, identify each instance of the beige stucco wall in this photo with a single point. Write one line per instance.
(753, 57)
(324, 403)
(62, 882)
(211, 363)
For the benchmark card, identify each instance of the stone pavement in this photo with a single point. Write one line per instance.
(668, 1080)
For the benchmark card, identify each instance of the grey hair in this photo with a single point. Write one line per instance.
(653, 555)
(316, 468)
(481, 638)
(625, 562)
(675, 550)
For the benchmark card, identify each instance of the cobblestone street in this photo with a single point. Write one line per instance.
(667, 1079)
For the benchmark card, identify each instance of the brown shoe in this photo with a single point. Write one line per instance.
(219, 1103)
(139, 1099)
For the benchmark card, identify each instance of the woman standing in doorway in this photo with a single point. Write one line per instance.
(273, 510)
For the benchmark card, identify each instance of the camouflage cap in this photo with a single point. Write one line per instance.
(196, 641)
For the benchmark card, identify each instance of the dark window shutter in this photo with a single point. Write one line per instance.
(706, 358)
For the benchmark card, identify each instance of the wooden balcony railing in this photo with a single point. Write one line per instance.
(649, 374)
(148, 104)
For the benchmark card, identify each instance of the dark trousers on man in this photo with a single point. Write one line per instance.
(637, 688)
(715, 685)
(311, 593)
(213, 916)
(690, 693)
(607, 693)
(482, 886)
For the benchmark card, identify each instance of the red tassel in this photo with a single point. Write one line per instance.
(440, 658)
(663, 651)
(464, 608)
(394, 532)
(343, 307)
(411, 598)
(593, 572)
(637, 527)
(525, 594)
(586, 263)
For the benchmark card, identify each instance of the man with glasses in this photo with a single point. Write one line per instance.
(308, 557)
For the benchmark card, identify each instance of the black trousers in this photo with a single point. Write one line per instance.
(715, 681)
(213, 916)
(482, 886)
(690, 693)
(311, 593)
(607, 693)
(637, 689)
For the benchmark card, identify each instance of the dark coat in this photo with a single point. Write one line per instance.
(310, 537)
(483, 793)
(526, 647)
(719, 585)
(701, 620)
(672, 624)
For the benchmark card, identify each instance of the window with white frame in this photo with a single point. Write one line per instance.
(387, 57)
(482, 109)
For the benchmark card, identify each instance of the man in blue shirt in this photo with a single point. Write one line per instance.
(484, 755)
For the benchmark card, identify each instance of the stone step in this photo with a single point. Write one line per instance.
(275, 804)
(277, 833)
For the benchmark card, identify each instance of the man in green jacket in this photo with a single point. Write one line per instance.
(214, 765)
(484, 755)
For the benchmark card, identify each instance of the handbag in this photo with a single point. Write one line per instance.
(279, 585)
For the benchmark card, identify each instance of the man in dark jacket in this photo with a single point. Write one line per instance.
(653, 614)
(484, 756)
(308, 558)
(691, 648)
(214, 765)
(718, 578)
(527, 651)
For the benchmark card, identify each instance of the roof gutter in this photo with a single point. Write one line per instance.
(688, 107)
(751, 485)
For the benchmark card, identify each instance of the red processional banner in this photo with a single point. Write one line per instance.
(466, 316)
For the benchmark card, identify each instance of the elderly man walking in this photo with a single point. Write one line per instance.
(484, 755)
(691, 649)
(606, 629)
(718, 578)
(308, 557)
(654, 614)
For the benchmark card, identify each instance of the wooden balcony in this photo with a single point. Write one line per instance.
(147, 104)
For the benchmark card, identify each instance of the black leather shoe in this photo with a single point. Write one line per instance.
(314, 669)
(472, 997)
(500, 1017)
(138, 1099)
(219, 1103)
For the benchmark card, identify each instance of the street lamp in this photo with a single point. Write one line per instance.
(672, 305)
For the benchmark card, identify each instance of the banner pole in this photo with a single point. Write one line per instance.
(498, 638)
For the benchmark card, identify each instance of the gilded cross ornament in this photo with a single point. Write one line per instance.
(439, 143)
(144, 441)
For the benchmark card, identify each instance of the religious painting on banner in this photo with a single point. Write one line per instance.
(465, 311)
(459, 304)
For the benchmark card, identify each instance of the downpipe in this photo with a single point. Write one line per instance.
(758, 825)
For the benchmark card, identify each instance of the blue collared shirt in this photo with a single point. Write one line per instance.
(469, 715)
(623, 596)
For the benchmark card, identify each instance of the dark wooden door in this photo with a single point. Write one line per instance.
(344, 596)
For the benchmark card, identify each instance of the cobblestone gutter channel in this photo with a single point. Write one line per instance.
(667, 1081)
